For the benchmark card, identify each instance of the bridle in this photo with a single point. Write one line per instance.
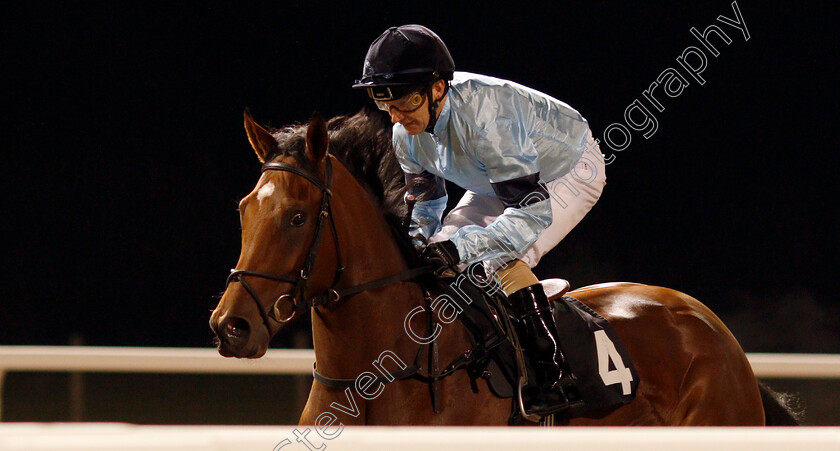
(332, 295)
(297, 296)
(301, 281)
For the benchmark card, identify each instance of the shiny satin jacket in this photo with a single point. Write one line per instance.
(497, 138)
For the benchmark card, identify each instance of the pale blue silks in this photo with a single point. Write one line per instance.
(491, 135)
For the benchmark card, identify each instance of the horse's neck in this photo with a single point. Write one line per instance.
(369, 251)
(350, 335)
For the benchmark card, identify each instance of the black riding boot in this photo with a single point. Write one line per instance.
(555, 388)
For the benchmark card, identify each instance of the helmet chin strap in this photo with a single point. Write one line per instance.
(433, 106)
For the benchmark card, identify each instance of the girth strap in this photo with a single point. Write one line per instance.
(347, 383)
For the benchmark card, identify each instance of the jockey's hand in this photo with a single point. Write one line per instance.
(419, 241)
(442, 255)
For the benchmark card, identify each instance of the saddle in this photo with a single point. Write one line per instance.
(595, 353)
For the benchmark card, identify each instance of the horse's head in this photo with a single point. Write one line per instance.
(288, 242)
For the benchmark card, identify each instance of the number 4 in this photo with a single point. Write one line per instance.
(606, 352)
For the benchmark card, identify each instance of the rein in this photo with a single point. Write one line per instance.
(300, 303)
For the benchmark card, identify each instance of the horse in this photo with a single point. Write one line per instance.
(320, 220)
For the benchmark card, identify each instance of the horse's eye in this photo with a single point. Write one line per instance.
(298, 219)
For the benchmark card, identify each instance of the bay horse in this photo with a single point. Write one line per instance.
(319, 221)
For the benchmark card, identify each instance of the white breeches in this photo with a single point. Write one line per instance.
(572, 196)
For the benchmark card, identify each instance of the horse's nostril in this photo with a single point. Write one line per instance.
(237, 327)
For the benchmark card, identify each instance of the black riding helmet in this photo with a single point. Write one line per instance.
(402, 59)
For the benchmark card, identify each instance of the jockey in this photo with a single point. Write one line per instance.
(528, 163)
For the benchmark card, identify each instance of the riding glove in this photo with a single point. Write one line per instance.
(442, 255)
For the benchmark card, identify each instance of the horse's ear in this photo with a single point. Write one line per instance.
(317, 141)
(261, 140)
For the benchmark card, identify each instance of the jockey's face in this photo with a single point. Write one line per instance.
(415, 121)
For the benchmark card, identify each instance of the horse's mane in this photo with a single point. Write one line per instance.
(362, 142)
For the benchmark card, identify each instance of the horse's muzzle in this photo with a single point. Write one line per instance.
(235, 338)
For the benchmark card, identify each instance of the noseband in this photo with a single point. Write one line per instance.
(297, 296)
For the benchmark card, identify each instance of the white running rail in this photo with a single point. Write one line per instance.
(295, 361)
(292, 361)
(111, 436)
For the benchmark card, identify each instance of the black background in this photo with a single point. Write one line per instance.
(124, 154)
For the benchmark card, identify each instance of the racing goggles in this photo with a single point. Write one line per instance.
(387, 98)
